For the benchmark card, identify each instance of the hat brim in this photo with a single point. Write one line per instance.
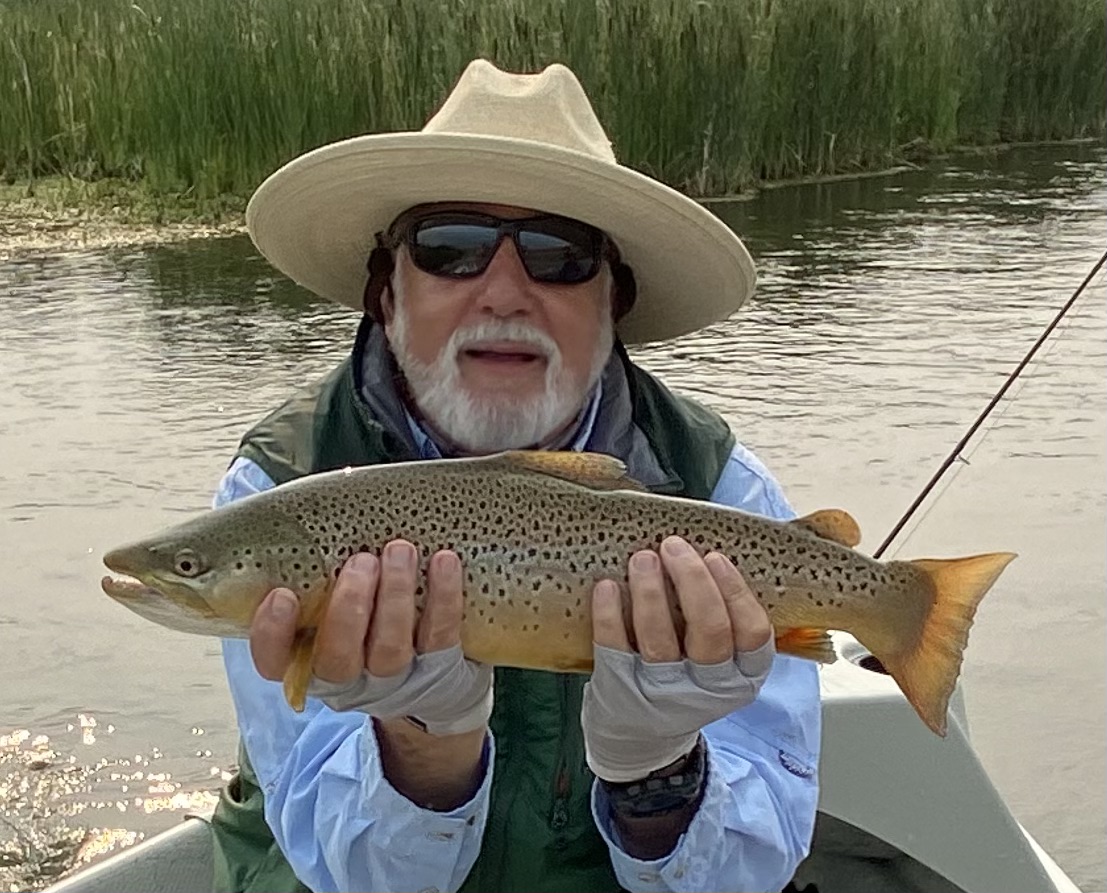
(315, 218)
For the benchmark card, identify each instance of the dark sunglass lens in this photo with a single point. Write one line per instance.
(452, 249)
(565, 254)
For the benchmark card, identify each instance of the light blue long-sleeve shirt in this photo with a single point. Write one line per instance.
(342, 826)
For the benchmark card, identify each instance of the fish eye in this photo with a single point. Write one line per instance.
(188, 563)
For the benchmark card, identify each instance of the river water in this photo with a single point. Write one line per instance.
(888, 312)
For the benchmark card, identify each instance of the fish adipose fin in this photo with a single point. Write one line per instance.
(594, 470)
(813, 644)
(298, 674)
(832, 524)
(928, 660)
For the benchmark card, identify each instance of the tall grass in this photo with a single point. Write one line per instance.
(709, 95)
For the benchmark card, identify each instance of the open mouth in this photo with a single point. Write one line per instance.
(504, 353)
(175, 610)
(124, 587)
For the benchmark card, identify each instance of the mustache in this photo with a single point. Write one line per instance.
(500, 330)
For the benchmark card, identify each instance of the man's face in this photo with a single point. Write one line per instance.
(498, 361)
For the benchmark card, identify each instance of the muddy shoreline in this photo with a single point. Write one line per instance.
(59, 214)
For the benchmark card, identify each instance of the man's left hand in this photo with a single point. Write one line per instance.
(643, 709)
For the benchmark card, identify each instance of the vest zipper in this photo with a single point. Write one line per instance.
(563, 784)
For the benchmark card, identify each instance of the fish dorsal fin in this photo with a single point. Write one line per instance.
(597, 471)
(832, 524)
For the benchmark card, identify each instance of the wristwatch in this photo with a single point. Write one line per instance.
(663, 790)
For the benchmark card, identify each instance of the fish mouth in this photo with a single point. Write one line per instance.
(124, 588)
(132, 578)
(185, 612)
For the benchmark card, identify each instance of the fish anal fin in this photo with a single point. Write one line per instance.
(594, 470)
(923, 649)
(298, 674)
(835, 525)
(812, 644)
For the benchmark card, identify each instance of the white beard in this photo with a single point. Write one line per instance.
(488, 423)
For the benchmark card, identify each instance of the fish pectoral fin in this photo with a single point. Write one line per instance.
(298, 674)
(806, 642)
(832, 524)
(597, 471)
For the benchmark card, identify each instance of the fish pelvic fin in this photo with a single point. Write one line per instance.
(596, 471)
(832, 524)
(812, 644)
(298, 674)
(927, 670)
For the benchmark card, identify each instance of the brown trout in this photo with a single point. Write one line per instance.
(535, 531)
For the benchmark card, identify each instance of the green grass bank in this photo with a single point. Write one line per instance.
(205, 97)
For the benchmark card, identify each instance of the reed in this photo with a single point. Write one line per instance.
(208, 96)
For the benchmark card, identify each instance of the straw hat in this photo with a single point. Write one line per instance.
(531, 140)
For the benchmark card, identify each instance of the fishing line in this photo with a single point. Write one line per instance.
(964, 459)
(956, 452)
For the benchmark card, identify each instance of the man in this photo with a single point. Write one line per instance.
(509, 259)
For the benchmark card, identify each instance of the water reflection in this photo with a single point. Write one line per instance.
(59, 811)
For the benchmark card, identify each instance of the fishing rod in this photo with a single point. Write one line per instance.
(956, 451)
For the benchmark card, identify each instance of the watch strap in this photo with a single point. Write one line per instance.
(663, 790)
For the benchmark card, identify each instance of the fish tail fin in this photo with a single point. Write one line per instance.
(932, 642)
(298, 674)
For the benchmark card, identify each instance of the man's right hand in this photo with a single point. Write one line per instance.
(347, 641)
(372, 655)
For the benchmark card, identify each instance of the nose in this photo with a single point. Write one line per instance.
(505, 287)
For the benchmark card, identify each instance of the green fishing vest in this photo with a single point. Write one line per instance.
(540, 834)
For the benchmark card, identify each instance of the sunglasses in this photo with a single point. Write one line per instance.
(461, 244)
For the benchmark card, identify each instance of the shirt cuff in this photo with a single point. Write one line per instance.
(416, 828)
(689, 865)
